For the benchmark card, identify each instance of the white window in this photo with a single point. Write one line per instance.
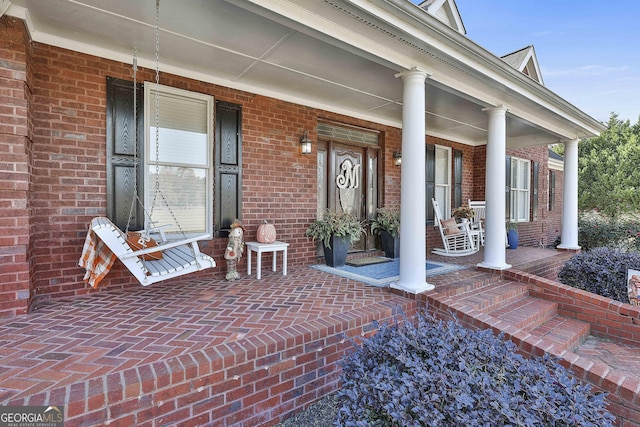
(520, 185)
(180, 159)
(443, 179)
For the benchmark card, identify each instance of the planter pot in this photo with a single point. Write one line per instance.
(336, 256)
(390, 244)
(512, 238)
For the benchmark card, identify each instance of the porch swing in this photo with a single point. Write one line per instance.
(148, 261)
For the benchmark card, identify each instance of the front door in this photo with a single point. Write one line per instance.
(348, 182)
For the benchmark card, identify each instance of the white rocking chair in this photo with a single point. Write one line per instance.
(480, 213)
(457, 238)
(178, 257)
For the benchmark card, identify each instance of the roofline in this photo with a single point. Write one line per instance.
(464, 28)
(531, 55)
(489, 59)
(516, 51)
(456, 11)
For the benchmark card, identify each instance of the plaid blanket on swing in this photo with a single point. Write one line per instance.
(96, 258)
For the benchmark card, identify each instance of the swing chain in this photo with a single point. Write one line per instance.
(135, 137)
(157, 126)
(157, 111)
(145, 238)
(157, 107)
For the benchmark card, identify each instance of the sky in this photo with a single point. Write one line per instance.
(588, 51)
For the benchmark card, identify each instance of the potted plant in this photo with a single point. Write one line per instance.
(512, 235)
(336, 231)
(387, 224)
(463, 212)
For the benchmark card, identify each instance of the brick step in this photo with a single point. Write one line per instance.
(564, 333)
(624, 359)
(494, 297)
(474, 285)
(527, 313)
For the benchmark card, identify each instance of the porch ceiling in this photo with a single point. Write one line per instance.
(240, 44)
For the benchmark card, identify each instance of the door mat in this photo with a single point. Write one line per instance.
(361, 262)
(381, 275)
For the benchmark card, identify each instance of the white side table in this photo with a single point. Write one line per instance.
(261, 248)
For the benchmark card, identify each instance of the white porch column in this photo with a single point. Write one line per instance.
(413, 187)
(494, 242)
(569, 236)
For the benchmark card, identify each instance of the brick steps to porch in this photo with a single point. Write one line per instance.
(566, 334)
(596, 338)
(534, 325)
(509, 303)
(495, 297)
(527, 313)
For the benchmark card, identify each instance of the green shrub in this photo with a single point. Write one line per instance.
(335, 223)
(597, 231)
(387, 219)
(601, 271)
(442, 374)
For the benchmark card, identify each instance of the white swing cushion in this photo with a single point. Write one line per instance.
(178, 257)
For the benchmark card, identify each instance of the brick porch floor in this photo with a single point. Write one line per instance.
(211, 352)
(192, 352)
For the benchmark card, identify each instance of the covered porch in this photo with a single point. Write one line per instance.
(252, 352)
(390, 67)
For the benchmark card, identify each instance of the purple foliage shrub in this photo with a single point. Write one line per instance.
(601, 271)
(443, 374)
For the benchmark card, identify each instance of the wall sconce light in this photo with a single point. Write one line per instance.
(305, 143)
(397, 158)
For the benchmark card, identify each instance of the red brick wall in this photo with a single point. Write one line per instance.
(479, 169)
(15, 172)
(391, 187)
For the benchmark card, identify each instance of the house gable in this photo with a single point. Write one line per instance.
(525, 61)
(445, 11)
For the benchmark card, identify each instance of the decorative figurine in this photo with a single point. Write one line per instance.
(633, 288)
(234, 250)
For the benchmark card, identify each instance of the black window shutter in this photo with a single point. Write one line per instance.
(431, 180)
(121, 153)
(534, 190)
(457, 178)
(228, 156)
(507, 188)
(552, 190)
